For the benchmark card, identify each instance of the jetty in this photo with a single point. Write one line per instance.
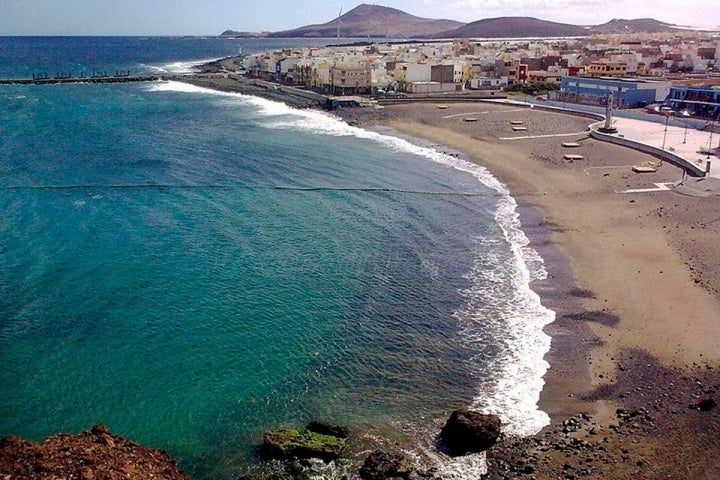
(44, 80)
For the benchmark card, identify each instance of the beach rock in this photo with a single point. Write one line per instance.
(288, 443)
(705, 403)
(328, 429)
(273, 476)
(469, 431)
(96, 454)
(383, 465)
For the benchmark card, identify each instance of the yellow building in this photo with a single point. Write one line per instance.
(606, 68)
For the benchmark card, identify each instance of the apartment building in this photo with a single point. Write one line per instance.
(606, 68)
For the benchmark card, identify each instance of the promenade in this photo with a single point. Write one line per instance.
(688, 143)
(678, 140)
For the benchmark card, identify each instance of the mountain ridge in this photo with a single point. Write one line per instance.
(373, 21)
(511, 27)
(637, 25)
(378, 21)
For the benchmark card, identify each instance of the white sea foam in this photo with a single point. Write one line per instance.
(180, 87)
(521, 367)
(461, 468)
(178, 67)
(500, 293)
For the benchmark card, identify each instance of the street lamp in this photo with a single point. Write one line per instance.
(667, 119)
(685, 114)
(712, 129)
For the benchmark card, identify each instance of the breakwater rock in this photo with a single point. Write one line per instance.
(89, 455)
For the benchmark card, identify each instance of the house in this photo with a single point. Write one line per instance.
(351, 78)
(412, 72)
(540, 76)
(488, 83)
(514, 70)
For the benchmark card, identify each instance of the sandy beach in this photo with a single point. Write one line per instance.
(633, 277)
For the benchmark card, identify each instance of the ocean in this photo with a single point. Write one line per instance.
(192, 268)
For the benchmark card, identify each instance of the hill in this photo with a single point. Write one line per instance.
(514, 27)
(234, 34)
(373, 21)
(645, 25)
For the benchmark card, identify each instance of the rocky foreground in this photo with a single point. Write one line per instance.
(661, 432)
(90, 455)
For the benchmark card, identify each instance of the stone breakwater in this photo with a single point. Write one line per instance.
(66, 80)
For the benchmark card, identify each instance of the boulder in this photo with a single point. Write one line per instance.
(289, 443)
(383, 465)
(706, 403)
(328, 429)
(467, 431)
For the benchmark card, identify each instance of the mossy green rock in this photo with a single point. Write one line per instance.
(288, 443)
(383, 465)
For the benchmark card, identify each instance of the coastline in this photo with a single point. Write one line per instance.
(637, 306)
(631, 282)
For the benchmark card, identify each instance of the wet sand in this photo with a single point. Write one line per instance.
(634, 279)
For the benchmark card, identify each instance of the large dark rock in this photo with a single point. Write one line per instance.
(383, 465)
(705, 403)
(467, 431)
(328, 429)
(289, 443)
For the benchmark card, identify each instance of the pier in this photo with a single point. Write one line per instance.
(44, 79)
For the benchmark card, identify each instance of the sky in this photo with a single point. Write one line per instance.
(211, 17)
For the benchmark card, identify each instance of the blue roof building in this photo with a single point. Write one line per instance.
(627, 92)
(701, 101)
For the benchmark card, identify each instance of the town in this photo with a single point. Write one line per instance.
(678, 71)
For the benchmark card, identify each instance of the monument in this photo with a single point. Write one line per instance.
(608, 127)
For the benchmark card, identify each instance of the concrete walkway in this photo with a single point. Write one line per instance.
(691, 144)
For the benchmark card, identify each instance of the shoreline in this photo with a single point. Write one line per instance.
(637, 310)
(609, 360)
(567, 361)
(637, 307)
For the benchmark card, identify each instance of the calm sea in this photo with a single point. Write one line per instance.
(192, 268)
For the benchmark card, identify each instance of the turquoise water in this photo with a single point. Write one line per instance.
(192, 268)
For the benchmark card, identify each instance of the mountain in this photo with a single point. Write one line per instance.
(513, 27)
(645, 25)
(374, 21)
